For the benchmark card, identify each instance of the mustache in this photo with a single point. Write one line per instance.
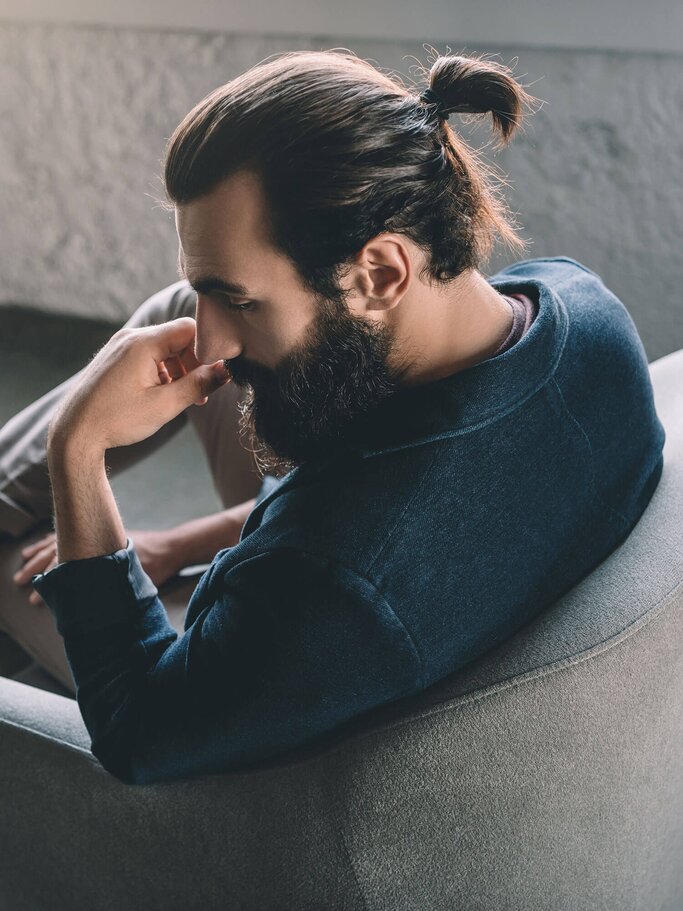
(242, 372)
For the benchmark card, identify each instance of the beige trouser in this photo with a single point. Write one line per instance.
(25, 501)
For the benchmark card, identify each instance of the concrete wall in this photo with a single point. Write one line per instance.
(86, 112)
(615, 24)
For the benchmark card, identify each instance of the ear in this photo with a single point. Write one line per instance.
(383, 270)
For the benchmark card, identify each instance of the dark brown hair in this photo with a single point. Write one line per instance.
(345, 151)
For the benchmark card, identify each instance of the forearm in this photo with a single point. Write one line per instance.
(199, 540)
(87, 520)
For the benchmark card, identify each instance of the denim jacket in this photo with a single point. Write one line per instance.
(464, 508)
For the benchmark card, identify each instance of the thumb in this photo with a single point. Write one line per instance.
(204, 380)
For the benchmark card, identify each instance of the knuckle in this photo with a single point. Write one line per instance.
(125, 336)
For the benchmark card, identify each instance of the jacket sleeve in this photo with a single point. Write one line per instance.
(285, 645)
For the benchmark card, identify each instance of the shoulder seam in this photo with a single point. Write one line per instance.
(613, 513)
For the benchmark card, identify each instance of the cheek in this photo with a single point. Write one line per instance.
(294, 331)
(266, 340)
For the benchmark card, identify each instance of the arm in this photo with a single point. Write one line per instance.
(199, 540)
(284, 647)
(163, 552)
(140, 380)
(87, 520)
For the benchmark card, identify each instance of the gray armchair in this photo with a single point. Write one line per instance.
(545, 776)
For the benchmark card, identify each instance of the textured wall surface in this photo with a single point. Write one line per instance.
(616, 24)
(86, 113)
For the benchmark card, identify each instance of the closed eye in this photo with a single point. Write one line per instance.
(249, 305)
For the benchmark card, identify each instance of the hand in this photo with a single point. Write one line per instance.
(159, 557)
(137, 382)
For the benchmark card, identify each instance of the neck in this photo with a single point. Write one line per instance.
(451, 328)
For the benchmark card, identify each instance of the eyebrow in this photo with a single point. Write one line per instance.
(206, 284)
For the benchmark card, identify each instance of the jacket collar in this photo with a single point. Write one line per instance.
(473, 397)
(459, 403)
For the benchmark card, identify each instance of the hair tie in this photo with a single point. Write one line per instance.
(429, 96)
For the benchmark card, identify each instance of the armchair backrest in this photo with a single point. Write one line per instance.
(545, 776)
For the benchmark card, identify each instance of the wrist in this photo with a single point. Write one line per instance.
(67, 445)
(87, 521)
(184, 547)
(175, 551)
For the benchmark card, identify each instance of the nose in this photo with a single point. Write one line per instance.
(215, 337)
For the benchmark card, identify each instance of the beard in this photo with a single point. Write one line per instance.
(315, 401)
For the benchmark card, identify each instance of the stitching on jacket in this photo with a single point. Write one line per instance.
(545, 670)
(409, 502)
(611, 512)
(493, 689)
(494, 416)
(469, 428)
(349, 569)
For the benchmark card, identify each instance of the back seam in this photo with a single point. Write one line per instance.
(544, 670)
(612, 513)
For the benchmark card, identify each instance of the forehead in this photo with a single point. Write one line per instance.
(226, 228)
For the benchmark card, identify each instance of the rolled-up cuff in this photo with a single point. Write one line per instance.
(95, 592)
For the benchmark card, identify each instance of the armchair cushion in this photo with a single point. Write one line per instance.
(545, 776)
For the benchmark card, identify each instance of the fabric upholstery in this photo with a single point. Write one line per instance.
(545, 776)
(449, 516)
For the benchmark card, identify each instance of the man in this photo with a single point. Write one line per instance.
(453, 467)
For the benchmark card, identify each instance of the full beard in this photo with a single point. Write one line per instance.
(314, 403)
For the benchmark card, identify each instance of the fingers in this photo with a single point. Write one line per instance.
(37, 545)
(197, 385)
(172, 337)
(34, 597)
(181, 364)
(178, 365)
(186, 363)
(207, 378)
(173, 369)
(189, 359)
(36, 564)
(41, 556)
